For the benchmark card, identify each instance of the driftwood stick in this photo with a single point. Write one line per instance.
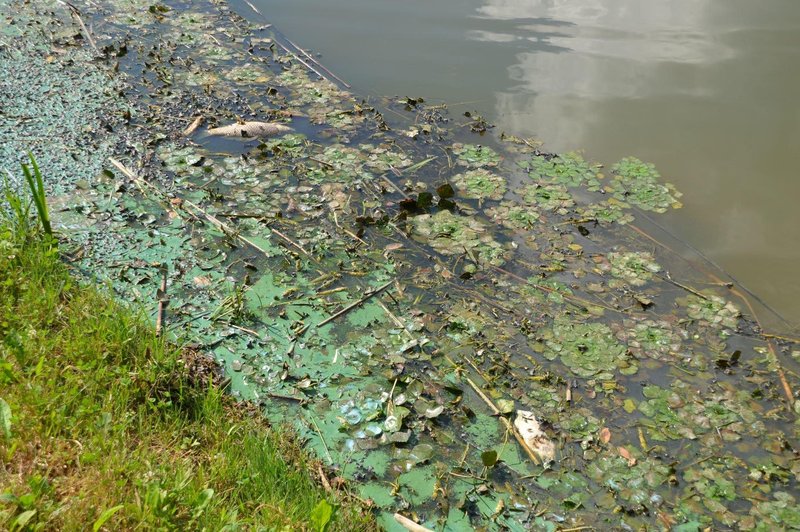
(410, 525)
(294, 55)
(787, 389)
(254, 8)
(289, 240)
(668, 278)
(505, 421)
(355, 304)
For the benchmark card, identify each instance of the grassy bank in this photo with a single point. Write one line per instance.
(103, 426)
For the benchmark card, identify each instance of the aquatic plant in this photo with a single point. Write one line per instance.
(480, 184)
(567, 169)
(660, 340)
(552, 197)
(609, 211)
(475, 156)
(587, 349)
(638, 183)
(513, 215)
(635, 268)
(712, 310)
(452, 234)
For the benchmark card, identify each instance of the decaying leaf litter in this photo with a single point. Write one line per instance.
(476, 333)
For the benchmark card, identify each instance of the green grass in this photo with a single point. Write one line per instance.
(102, 426)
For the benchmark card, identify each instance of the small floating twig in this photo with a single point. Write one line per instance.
(193, 126)
(322, 439)
(216, 222)
(505, 421)
(289, 240)
(689, 289)
(77, 15)
(294, 55)
(351, 306)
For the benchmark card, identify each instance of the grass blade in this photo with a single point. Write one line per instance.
(36, 184)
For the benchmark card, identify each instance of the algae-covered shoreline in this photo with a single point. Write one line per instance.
(511, 280)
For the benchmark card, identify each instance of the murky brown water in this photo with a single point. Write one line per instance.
(706, 89)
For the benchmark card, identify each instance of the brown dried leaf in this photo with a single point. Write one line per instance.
(626, 454)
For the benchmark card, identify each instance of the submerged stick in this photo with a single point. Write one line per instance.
(294, 55)
(163, 301)
(323, 67)
(787, 389)
(351, 306)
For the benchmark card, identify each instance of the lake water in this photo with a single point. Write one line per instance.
(706, 89)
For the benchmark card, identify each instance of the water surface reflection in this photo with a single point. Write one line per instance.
(706, 89)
